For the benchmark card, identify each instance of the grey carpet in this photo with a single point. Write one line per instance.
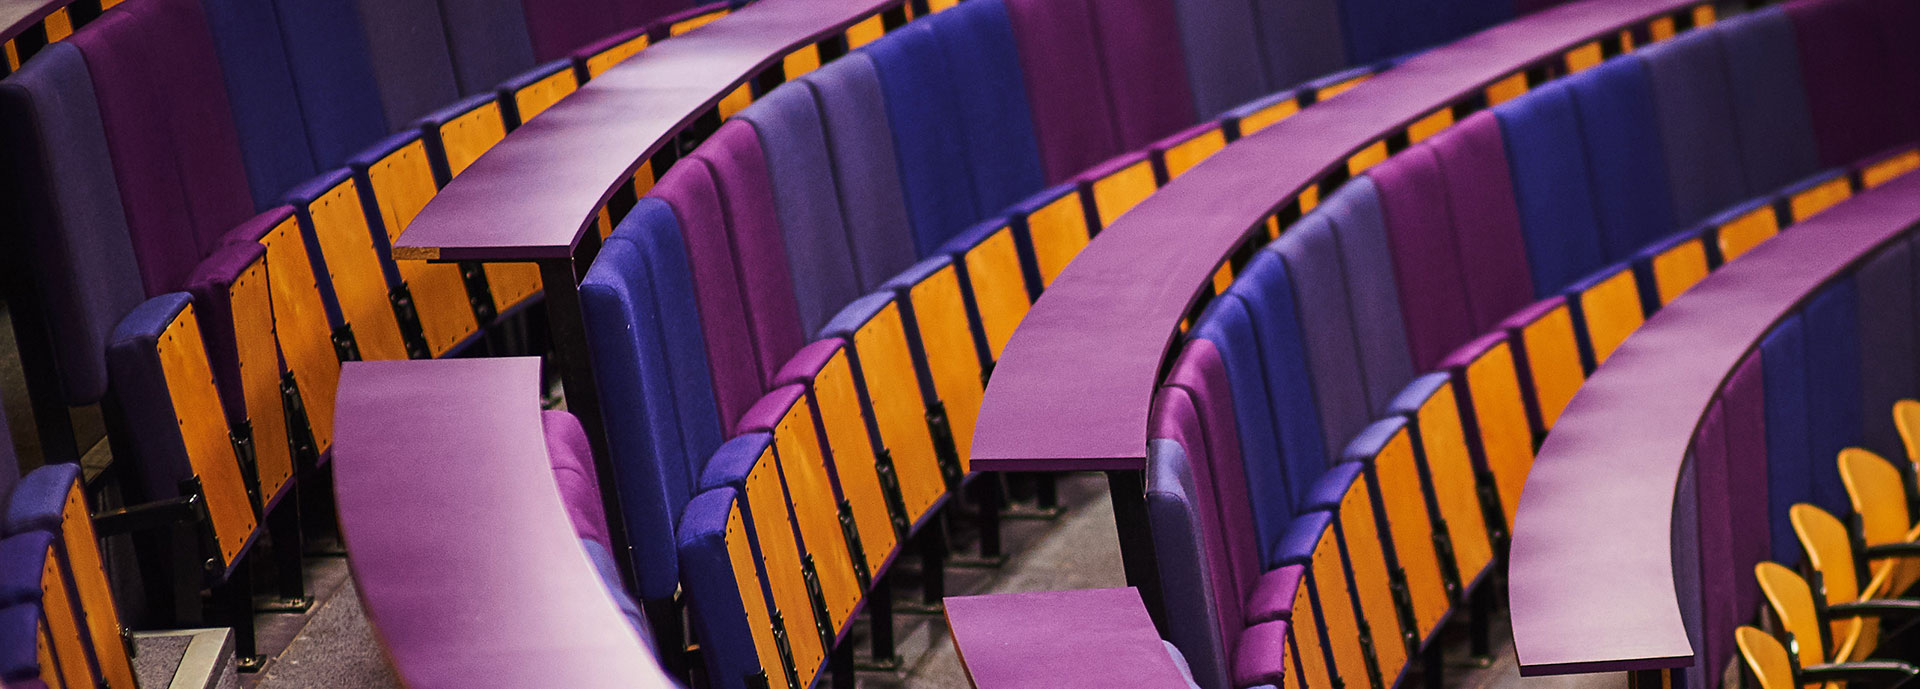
(336, 650)
(158, 657)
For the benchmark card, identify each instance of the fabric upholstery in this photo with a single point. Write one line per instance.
(1427, 268)
(574, 473)
(1624, 157)
(1542, 133)
(407, 46)
(852, 109)
(333, 77)
(1361, 230)
(489, 42)
(806, 197)
(923, 111)
(1066, 79)
(266, 109)
(996, 124)
(1694, 106)
(1312, 258)
(1479, 185)
(1769, 97)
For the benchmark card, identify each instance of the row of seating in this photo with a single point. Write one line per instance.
(1848, 617)
(1310, 344)
(820, 191)
(59, 626)
(144, 143)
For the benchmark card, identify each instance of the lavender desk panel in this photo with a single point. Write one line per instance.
(17, 15)
(1086, 639)
(1073, 389)
(459, 544)
(1592, 576)
(532, 195)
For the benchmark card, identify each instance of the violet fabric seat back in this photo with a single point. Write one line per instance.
(81, 256)
(1769, 98)
(266, 111)
(1730, 492)
(1222, 48)
(923, 111)
(1181, 545)
(557, 27)
(1783, 358)
(1300, 39)
(689, 192)
(860, 144)
(333, 78)
(1312, 258)
(1200, 373)
(1227, 328)
(1427, 268)
(1146, 73)
(1887, 347)
(651, 367)
(1360, 231)
(1479, 185)
(1542, 135)
(407, 46)
(579, 484)
(1066, 84)
(1834, 414)
(1178, 420)
(996, 125)
(1694, 106)
(489, 42)
(1859, 66)
(1624, 156)
(806, 198)
(170, 134)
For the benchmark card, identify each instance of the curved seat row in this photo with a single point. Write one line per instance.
(1511, 254)
(868, 175)
(210, 337)
(59, 626)
(1791, 355)
(497, 546)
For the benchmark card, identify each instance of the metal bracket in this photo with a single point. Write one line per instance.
(299, 427)
(859, 554)
(240, 435)
(345, 347)
(479, 293)
(149, 515)
(890, 487)
(1403, 604)
(810, 575)
(408, 314)
(1449, 565)
(945, 451)
(785, 646)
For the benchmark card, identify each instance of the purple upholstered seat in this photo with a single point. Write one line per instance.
(1221, 41)
(489, 41)
(1858, 68)
(1769, 97)
(806, 197)
(1694, 108)
(740, 176)
(81, 257)
(848, 93)
(266, 109)
(1426, 262)
(1887, 346)
(1066, 84)
(170, 133)
(559, 26)
(1300, 38)
(407, 45)
(1145, 70)
(1374, 294)
(1177, 421)
(1312, 257)
(1493, 256)
(333, 78)
(211, 285)
(573, 471)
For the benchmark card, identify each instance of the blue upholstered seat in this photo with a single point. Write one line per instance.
(1620, 130)
(1542, 133)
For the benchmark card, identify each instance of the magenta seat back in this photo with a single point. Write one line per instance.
(1066, 84)
(1479, 186)
(1145, 69)
(1426, 257)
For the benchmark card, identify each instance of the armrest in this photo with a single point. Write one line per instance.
(148, 516)
(1876, 608)
(1891, 671)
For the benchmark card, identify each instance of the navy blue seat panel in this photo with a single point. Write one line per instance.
(1764, 76)
(333, 77)
(1542, 132)
(1783, 360)
(266, 111)
(1695, 110)
(407, 46)
(1834, 414)
(924, 114)
(1003, 154)
(488, 41)
(1624, 156)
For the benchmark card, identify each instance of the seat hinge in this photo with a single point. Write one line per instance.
(852, 533)
(1367, 650)
(810, 575)
(345, 347)
(479, 292)
(241, 436)
(1403, 602)
(1449, 565)
(890, 487)
(785, 646)
(408, 314)
(299, 426)
(945, 451)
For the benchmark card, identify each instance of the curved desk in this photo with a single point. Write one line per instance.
(532, 196)
(1591, 571)
(462, 551)
(1073, 389)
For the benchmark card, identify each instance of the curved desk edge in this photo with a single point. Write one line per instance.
(533, 195)
(1088, 638)
(1591, 570)
(470, 570)
(1073, 388)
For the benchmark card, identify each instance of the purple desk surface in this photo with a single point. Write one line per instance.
(1074, 386)
(532, 195)
(17, 15)
(1091, 638)
(1591, 571)
(462, 551)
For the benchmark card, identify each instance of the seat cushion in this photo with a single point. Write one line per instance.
(573, 471)
(1261, 656)
(1272, 597)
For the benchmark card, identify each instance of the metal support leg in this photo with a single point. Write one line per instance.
(233, 606)
(986, 494)
(880, 627)
(567, 326)
(841, 661)
(669, 635)
(1647, 679)
(1129, 491)
(933, 565)
(1432, 667)
(289, 573)
(1479, 624)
